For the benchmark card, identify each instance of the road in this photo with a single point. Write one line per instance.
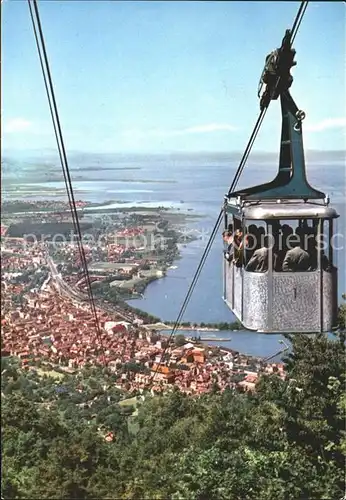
(62, 285)
(73, 294)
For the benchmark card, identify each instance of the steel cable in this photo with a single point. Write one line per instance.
(40, 43)
(57, 137)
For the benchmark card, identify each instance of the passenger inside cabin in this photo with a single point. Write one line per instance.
(312, 249)
(286, 233)
(326, 265)
(292, 251)
(260, 259)
(296, 258)
(282, 236)
(260, 233)
(227, 237)
(310, 245)
(238, 245)
(251, 241)
(233, 238)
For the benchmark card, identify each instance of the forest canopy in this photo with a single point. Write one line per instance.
(77, 436)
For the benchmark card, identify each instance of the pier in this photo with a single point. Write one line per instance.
(211, 339)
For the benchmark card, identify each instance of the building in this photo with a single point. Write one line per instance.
(163, 373)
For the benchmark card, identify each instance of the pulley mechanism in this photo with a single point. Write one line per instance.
(276, 74)
(290, 182)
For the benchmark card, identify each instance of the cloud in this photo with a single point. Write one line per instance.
(198, 129)
(327, 124)
(17, 125)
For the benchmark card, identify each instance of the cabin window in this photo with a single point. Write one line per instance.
(297, 245)
(284, 245)
(293, 245)
(243, 239)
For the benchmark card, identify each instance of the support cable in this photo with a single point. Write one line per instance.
(56, 134)
(73, 213)
(62, 154)
(293, 33)
(298, 20)
(234, 183)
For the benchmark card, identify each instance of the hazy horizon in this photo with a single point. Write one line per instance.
(12, 152)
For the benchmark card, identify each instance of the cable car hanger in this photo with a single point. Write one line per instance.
(291, 181)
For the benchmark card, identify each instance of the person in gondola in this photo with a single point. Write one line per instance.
(284, 237)
(297, 259)
(311, 246)
(227, 237)
(238, 248)
(251, 240)
(260, 259)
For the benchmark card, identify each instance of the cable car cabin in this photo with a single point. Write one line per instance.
(280, 276)
(279, 272)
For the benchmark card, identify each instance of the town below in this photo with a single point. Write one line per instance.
(47, 320)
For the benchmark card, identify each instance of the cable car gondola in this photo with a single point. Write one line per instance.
(268, 289)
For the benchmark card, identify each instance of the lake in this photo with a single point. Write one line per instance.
(184, 182)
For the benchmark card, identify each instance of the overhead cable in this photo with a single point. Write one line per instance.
(40, 43)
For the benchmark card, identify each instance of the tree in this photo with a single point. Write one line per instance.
(342, 314)
(287, 440)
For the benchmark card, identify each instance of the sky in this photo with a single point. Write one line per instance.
(152, 76)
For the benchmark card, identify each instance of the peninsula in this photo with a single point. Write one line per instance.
(126, 248)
